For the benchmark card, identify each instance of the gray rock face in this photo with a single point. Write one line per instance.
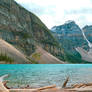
(70, 35)
(14, 24)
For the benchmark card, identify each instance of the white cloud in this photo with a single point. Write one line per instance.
(56, 12)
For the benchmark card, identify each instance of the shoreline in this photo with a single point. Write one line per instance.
(53, 88)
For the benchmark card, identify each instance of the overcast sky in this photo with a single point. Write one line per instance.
(56, 12)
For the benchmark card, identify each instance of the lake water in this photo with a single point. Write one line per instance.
(46, 74)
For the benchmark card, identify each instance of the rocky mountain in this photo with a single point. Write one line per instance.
(25, 31)
(70, 36)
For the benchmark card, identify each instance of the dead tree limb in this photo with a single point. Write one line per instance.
(47, 87)
(65, 83)
(3, 77)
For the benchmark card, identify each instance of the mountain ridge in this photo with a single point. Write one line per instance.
(70, 36)
(24, 30)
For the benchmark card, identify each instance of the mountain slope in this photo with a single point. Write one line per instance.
(24, 30)
(44, 57)
(86, 55)
(13, 53)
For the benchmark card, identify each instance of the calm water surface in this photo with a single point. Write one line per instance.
(43, 75)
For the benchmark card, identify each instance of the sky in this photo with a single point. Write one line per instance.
(57, 12)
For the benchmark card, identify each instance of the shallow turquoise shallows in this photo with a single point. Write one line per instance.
(46, 74)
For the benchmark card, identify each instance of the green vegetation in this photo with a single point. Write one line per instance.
(74, 59)
(25, 35)
(36, 56)
(6, 59)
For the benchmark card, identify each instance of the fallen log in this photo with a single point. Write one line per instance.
(2, 88)
(47, 87)
(5, 84)
(81, 85)
(42, 89)
(88, 84)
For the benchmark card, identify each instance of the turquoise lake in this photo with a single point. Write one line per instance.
(39, 75)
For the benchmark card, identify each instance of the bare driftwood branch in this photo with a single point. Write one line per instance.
(81, 85)
(47, 87)
(3, 88)
(65, 83)
(3, 77)
(5, 84)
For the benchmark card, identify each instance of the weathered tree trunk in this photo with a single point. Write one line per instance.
(47, 87)
(2, 88)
